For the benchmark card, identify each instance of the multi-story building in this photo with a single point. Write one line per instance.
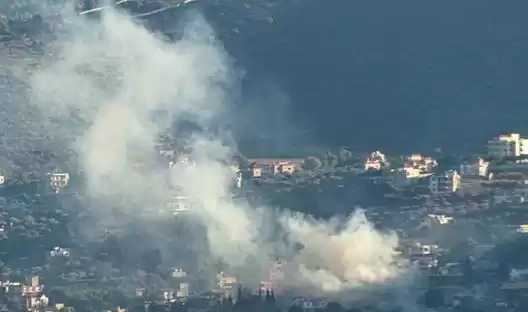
(475, 167)
(449, 182)
(507, 145)
(59, 180)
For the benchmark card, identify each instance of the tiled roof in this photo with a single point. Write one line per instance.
(274, 161)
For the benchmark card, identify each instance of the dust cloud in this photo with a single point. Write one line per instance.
(105, 81)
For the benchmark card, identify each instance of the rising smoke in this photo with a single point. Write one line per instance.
(102, 84)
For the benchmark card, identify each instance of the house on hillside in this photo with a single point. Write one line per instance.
(447, 183)
(272, 166)
(422, 163)
(474, 167)
(375, 161)
(58, 180)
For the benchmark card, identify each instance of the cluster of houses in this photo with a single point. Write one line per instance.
(56, 180)
(416, 168)
(503, 172)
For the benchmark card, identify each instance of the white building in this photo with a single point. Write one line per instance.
(476, 167)
(59, 252)
(179, 273)
(59, 180)
(423, 163)
(444, 184)
(442, 219)
(508, 145)
(375, 161)
(180, 204)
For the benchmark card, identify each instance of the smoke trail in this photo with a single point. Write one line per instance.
(103, 84)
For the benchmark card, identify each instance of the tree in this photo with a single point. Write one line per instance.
(334, 307)
(344, 156)
(312, 163)
(295, 308)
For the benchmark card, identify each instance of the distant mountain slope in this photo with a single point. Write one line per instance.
(400, 75)
(395, 74)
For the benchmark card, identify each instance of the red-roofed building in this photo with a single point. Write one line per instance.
(272, 166)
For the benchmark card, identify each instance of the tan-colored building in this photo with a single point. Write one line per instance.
(420, 162)
(375, 161)
(272, 166)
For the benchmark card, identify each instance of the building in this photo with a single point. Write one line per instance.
(180, 204)
(375, 161)
(507, 145)
(274, 278)
(474, 167)
(256, 172)
(179, 273)
(2, 179)
(226, 284)
(272, 166)
(402, 177)
(422, 163)
(447, 183)
(35, 300)
(181, 159)
(441, 219)
(239, 179)
(184, 291)
(59, 180)
(59, 252)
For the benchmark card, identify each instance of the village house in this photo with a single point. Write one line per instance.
(447, 183)
(375, 161)
(59, 252)
(422, 163)
(474, 167)
(179, 273)
(273, 166)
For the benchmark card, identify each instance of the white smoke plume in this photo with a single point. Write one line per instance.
(114, 75)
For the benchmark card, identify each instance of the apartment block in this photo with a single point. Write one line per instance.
(447, 183)
(507, 145)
